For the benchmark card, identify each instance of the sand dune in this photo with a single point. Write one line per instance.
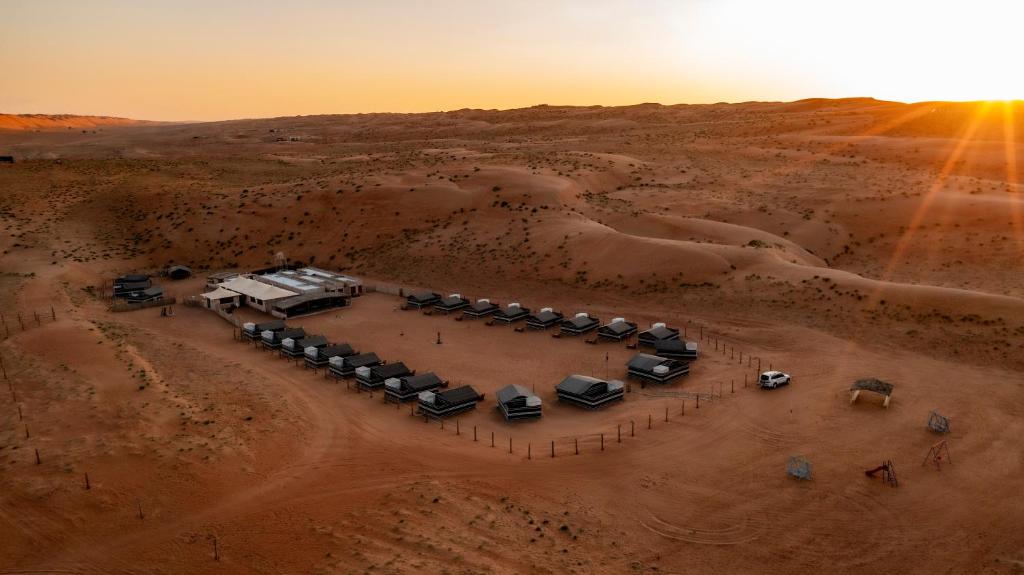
(833, 239)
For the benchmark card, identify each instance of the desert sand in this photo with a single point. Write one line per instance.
(832, 239)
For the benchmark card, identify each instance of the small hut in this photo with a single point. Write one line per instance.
(656, 369)
(317, 357)
(409, 387)
(127, 284)
(677, 349)
(340, 367)
(546, 318)
(874, 385)
(453, 302)
(179, 272)
(511, 313)
(589, 392)
(373, 377)
(422, 299)
(516, 402)
(617, 330)
(296, 347)
(480, 308)
(580, 324)
(658, 332)
(252, 331)
(449, 402)
(272, 338)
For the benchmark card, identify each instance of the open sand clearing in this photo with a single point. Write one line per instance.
(833, 239)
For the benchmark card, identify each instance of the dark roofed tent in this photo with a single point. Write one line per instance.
(617, 330)
(319, 356)
(511, 314)
(676, 349)
(296, 347)
(589, 392)
(658, 332)
(410, 386)
(132, 278)
(346, 366)
(253, 331)
(451, 303)
(580, 324)
(272, 339)
(480, 308)
(422, 299)
(373, 377)
(179, 272)
(450, 402)
(517, 402)
(544, 319)
(308, 303)
(655, 368)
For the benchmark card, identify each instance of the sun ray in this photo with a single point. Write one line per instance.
(923, 208)
(1010, 148)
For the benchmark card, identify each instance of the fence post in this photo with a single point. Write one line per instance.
(552, 449)
(87, 485)
(457, 430)
(682, 408)
(602, 442)
(492, 439)
(529, 450)
(732, 386)
(38, 461)
(510, 444)
(474, 433)
(577, 439)
(632, 428)
(666, 413)
(650, 420)
(53, 314)
(618, 433)
(698, 401)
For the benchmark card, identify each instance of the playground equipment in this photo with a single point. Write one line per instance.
(888, 472)
(937, 454)
(800, 467)
(938, 423)
(876, 385)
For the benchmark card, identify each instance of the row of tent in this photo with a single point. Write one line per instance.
(402, 384)
(665, 340)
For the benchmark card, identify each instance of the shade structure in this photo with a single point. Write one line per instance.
(253, 331)
(373, 377)
(449, 402)
(480, 308)
(422, 299)
(677, 349)
(658, 332)
(544, 319)
(655, 368)
(589, 392)
(516, 402)
(409, 387)
(512, 313)
(580, 324)
(346, 366)
(617, 330)
(320, 356)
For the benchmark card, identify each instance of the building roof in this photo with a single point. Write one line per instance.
(546, 316)
(646, 361)
(258, 290)
(132, 278)
(510, 392)
(387, 370)
(462, 394)
(578, 384)
(308, 279)
(220, 293)
(222, 275)
(872, 384)
(581, 321)
(312, 341)
(422, 381)
(619, 327)
(662, 332)
(340, 349)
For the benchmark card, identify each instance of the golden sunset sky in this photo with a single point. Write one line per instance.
(208, 60)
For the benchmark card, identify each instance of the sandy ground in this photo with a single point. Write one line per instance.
(833, 239)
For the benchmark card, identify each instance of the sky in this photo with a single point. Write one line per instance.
(211, 60)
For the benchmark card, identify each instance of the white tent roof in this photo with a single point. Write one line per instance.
(220, 293)
(258, 290)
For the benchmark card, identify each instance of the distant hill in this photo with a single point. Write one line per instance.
(20, 122)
